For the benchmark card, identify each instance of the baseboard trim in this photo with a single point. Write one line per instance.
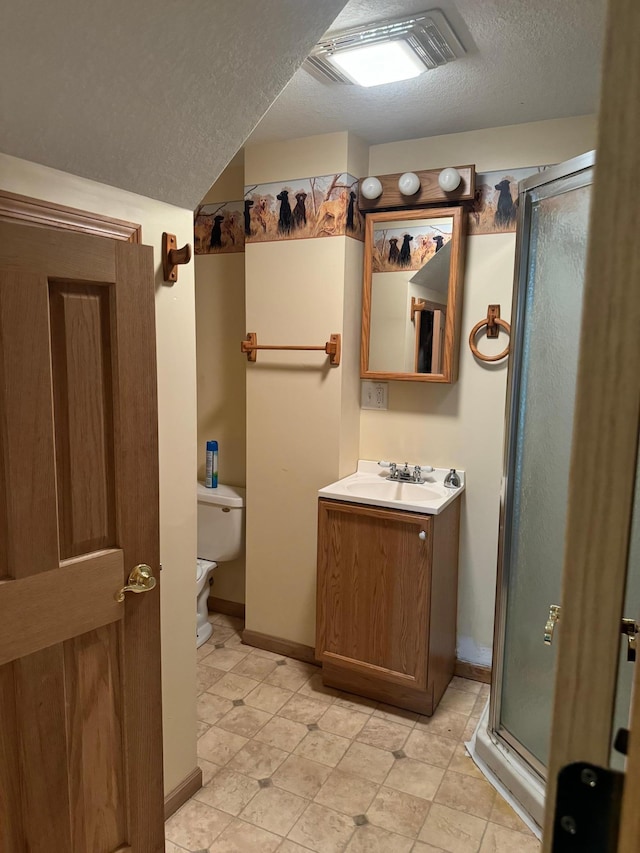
(288, 648)
(229, 608)
(179, 796)
(474, 671)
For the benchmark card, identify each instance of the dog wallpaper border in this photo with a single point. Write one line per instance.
(305, 208)
(495, 206)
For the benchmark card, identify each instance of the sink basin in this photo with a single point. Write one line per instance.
(392, 490)
(369, 485)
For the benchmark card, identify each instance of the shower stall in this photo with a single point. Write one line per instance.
(512, 741)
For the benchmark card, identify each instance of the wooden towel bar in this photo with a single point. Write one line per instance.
(332, 348)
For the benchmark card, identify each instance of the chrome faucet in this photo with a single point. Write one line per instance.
(406, 473)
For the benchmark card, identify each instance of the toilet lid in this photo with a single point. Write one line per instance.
(202, 567)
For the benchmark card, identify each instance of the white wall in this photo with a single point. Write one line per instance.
(462, 425)
(175, 330)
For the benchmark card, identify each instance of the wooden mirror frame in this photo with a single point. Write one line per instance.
(454, 296)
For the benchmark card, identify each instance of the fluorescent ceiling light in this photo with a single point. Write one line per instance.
(387, 51)
(375, 64)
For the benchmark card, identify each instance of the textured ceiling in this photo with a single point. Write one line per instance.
(153, 96)
(526, 60)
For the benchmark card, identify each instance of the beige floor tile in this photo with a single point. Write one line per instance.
(283, 733)
(457, 700)
(255, 667)
(219, 746)
(498, 839)
(224, 658)
(220, 634)
(290, 677)
(356, 703)
(465, 684)
(367, 761)
(230, 792)
(206, 676)
(303, 709)
(201, 728)
(415, 778)
(452, 831)
(210, 708)
(232, 622)
(430, 748)
(301, 776)
(444, 722)
(373, 839)
(244, 720)
(398, 812)
(203, 651)
(396, 715)
(233, 686)
(235, 641)
(196, 825)
(469, 729)
(268, 698)
(323, 830)
(241, 837)
(463, 763)
(384, 734)
(466, 794)
(209, 770)
(274, 809)
(485, 690)
(258, 760)
(317, 690)
(264, 653)
(480, 704)
(292, 847)
(323, 747)
(342, 721)
(421, 847)
(347, 793)
(503, 814)
(170, 847)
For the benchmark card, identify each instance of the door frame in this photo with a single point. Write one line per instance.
(605, 444)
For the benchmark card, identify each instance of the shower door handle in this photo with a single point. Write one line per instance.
(552, 621)
(631, 628)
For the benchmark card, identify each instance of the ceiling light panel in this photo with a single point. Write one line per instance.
(426, 36)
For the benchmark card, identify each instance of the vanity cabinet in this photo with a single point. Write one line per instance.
(387, 601)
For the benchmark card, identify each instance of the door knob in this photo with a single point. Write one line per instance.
(552, 621)
(422, 535)
(141, 579)
(631, 628)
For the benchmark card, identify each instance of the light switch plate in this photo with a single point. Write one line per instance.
(374, 395)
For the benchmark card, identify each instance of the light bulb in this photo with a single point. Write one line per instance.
(409, 183)
(371, 188)
(449, 179)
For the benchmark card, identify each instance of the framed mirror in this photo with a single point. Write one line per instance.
(412, 294)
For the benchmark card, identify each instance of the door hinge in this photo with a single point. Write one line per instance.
(587, 815)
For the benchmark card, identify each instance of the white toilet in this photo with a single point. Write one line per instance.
(220, 538)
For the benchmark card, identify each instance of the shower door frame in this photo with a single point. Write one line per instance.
(582, 169)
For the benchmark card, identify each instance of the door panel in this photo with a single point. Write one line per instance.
(81, 738)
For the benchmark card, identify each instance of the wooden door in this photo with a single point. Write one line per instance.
(605, 446)
(373, 592)
(80, 702)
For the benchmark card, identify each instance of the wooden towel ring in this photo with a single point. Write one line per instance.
(493, 324)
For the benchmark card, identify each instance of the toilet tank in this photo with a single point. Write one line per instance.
(220, 522)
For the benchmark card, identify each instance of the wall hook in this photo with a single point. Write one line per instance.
(172, 256)
(493, 324)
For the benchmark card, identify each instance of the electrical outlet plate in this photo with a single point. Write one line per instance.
(374, 395)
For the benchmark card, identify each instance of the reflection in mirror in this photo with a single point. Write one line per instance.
(410, 272)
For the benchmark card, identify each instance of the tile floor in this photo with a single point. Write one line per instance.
(292, 766)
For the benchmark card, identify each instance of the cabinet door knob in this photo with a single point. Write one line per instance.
(422, 535)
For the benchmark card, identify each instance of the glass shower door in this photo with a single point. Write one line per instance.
(552, 242)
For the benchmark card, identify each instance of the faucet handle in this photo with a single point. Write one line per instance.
(384, 464)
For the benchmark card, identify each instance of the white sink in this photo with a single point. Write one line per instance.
(370, 485)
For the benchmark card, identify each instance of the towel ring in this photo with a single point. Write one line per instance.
(489, 323)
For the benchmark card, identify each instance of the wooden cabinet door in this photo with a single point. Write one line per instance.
(80, 701)
(374, 570)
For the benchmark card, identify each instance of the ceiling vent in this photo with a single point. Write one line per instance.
(427, 35)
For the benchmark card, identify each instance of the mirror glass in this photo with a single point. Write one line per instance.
(409, 293)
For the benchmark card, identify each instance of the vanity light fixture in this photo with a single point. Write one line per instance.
(387, 51)
(449, 179)
(371, 187)
(409, 183)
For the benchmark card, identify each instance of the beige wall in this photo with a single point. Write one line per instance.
(177, 415)
(462, 425)
(220, 326)
(302, 415)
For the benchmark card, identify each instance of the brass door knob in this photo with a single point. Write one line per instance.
(141, 579)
